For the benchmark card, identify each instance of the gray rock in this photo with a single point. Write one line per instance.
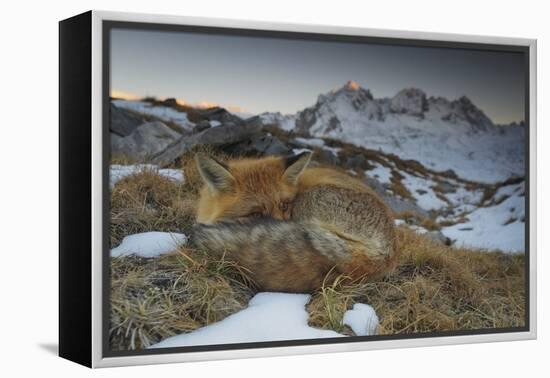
(464, 110)
(124, 122)
(376, 186)
(400, 205)
(259, 145)
(215, 136)
(255, 121)
(445, 187)
(438, 236)
(170, 102)
(145, 141)
(201, 126)
(357, 162)
(305, 120)
(449, 173)
(327, 157)
(221, 115)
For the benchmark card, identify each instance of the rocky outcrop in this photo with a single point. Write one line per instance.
(410, 101)
(221, 115)
(259, 145)
(220, 137)
(144, 141)
(124, 122)
(463, 109)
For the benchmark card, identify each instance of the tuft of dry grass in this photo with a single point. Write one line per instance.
(152, 299)
(434, 288)
(397, 187)
(147, 201)
(123, 159)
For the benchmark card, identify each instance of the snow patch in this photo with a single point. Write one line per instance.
(380, 172)
(315, 142)
(499, 226)
(286, 122)
(118, 172)
(149, 244)
(298, 151)
(421, 190)
(362, 319)
(271, 317)
(165, 113)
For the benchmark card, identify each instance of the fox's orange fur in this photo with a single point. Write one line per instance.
(290, 225)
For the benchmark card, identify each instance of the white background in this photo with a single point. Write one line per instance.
(29, 206)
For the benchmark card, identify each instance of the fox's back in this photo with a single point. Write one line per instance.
(347, 207)
(327, 176)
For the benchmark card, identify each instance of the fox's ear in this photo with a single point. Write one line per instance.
(295, 165)
(215, 174)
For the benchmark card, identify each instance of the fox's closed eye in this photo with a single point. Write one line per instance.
(284, 206)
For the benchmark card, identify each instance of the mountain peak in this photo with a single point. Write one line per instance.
(351, 91)
(409, 101)
(352, 85)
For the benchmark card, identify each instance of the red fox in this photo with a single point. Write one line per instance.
(290, 225)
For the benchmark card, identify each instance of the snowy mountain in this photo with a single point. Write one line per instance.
(442, 134)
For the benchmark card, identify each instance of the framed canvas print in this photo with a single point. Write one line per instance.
(232, 189)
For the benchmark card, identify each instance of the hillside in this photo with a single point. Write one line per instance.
(441, 134)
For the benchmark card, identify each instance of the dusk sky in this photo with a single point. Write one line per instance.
(253, 75)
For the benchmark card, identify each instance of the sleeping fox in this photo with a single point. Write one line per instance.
(290, 225)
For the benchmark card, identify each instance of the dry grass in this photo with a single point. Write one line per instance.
(397, 187)
(152, 299)
(147, 201)
(435, 288)
(123, 159)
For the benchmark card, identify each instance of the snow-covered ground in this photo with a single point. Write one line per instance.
(500, 225)
(118, 172)
(163, 112)
(494, 224)
(380, 172)
(484, 157)
(421, 190)
(149, 244)
(272, 317)
(286, 122)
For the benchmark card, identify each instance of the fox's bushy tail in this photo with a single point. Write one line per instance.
(265, 237)
(280, 255)
(290, 256)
